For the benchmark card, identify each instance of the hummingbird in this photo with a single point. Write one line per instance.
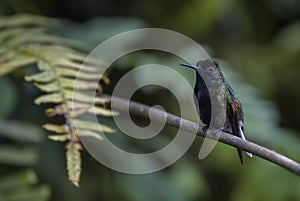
(234, 112)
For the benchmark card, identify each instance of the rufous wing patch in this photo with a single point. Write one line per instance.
(234, 107)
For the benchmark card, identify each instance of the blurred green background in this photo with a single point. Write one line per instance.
(259, 43)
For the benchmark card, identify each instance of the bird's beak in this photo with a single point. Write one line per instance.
(190, 66)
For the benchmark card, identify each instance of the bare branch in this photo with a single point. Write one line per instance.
(191, 127)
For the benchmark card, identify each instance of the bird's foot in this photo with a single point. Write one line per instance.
(204, 129)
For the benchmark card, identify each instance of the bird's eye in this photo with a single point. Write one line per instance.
(211, 69)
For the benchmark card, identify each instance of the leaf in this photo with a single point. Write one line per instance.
(87, 125)
(61, 138)
(24, 40)
(78, 66)
(56, 128)
(17, 62)
(14, 156)
(17, 180)
(84, 97)
(78, 84)
(22, 186)
(49, 87)
(21, 131)
(79, 111)
(45, 76)
(93, 109)
(42, 38)
(74, 163)
(102, 111)
(26, 19)
(87, 133)
(49, 98)
(78, 57)
(35, 193)
(6, 56)
(67, 72)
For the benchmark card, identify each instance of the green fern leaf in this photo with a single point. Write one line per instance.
(24, 40)
(74, 162)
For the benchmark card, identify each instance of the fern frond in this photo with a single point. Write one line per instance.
(23, 41)
(27, 20)
(74, 162)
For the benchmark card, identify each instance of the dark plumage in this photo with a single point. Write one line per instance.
(234, 111)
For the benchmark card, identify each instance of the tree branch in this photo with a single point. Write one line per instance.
(191, 127)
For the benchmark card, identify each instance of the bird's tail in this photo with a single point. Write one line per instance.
(243, 137)
(241, 156)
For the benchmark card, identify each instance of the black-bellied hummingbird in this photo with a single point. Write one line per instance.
(234, 112)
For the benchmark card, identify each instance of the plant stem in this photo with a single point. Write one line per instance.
(191, 127)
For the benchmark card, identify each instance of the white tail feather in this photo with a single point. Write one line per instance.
(243, 136)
